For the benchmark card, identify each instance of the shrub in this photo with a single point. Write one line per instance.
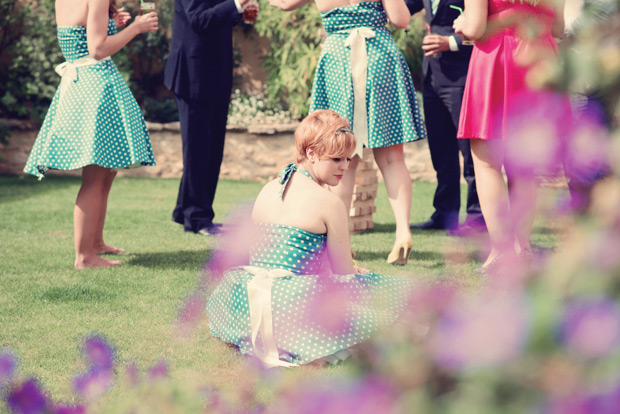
(295, 49)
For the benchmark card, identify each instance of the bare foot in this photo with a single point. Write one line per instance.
(107, 249)
(95, 262)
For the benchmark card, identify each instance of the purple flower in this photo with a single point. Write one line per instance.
(368, 395)
(69, 409)
(8, 364)
(591, 327)
(132, 373)
(480, 331)
(159, 371)
(27, 398)
(98, 353)
(191, 313)
(93, 384)
(233, 246)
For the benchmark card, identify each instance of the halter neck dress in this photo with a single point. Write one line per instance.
(93, 117)
(285, 326)
(380, 103)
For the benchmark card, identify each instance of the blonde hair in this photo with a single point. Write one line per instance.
(326, 133)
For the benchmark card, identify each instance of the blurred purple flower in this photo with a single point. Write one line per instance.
(191, 313)
(587, 149)
(98, 353)
(93, 384)
(132, 373)
(368, 395)
(603, 249)
(27, 398)
(159, 370)
(591, 327)
(233, 246)
(536, 132)
(8, 364)
(480, 331)
(329, 308)
(69, 409)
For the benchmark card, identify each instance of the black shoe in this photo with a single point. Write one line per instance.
(429, 224)
(211, 230)
(468, 229)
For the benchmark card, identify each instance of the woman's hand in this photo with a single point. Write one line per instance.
(146, 23)
(121, 18)
(457, 25)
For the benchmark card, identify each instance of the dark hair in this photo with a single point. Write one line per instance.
(113, 9)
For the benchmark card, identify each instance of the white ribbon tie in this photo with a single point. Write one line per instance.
(359, 68)
(261, 317)
(68, 71)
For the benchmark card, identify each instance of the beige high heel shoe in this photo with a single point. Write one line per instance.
(400, 252)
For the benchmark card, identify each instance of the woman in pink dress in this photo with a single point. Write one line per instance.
(510, 38)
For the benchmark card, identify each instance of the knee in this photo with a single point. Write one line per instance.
(389, 155)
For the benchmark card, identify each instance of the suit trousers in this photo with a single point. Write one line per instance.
(442, 107)
(203, 129)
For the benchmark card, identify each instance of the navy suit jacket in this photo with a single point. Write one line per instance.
(448, 68)
(200, 62)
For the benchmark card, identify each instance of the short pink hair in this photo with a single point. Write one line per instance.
(326, 133)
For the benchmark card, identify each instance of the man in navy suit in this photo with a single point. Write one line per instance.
(199, 73)
(444, 71)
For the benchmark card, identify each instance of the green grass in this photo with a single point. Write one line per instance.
(47, 308)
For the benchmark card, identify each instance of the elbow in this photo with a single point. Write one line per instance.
(473, 33)
(401, 22)
(96, 53)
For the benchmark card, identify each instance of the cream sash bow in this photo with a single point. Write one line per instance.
(68, 71)
(261, 317)
(359, 68)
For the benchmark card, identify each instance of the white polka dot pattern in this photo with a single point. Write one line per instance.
(393, 110)
(368, 302)
(98, 121)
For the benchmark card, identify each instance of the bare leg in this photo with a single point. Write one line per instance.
(100, 245)
(86, 215)
(391, 162)
(344, 189)
(522, 192)
(493, 195)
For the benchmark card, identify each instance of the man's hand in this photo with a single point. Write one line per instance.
(433, 44)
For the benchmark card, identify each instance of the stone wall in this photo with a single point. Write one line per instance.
(255, 153)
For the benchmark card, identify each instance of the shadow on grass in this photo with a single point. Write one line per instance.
(18, 187)
(181, 260)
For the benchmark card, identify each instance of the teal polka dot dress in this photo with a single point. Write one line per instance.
(393, 113)
(314, 314)
(97, 121)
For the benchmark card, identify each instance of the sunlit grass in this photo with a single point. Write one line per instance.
(47, 308)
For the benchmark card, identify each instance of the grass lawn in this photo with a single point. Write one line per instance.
(47, 308)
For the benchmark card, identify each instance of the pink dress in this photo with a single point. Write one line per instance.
(496, 92)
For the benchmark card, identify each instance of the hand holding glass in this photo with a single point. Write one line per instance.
(466, 41)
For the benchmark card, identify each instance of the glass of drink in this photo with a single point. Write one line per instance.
(250, 12)
(146, 7)
(466, 40)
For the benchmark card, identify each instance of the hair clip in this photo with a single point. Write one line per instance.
(345, 130)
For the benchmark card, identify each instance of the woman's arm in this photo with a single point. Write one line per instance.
(100, 45)
(338, 243)
(474, 19)
(397, 12)
(288, 5)
(557, 29)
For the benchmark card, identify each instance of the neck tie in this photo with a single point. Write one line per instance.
(434, 5)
